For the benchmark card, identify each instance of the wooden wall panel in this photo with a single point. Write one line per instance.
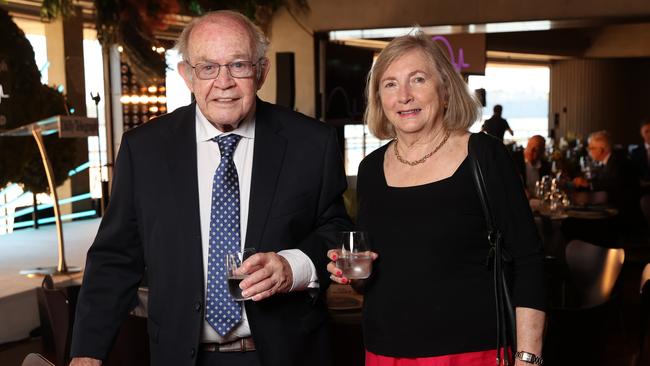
(605, 94)
(364, 14)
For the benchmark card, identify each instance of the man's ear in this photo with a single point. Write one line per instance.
(262, 71)
(187, 73)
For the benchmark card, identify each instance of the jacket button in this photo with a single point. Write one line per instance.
(192, 352)
(197, 306)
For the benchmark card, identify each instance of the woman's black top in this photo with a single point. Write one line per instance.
(431, 292)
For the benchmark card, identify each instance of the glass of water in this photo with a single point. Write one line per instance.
(234, 261)
(355, 261)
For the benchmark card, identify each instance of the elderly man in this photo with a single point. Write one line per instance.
(617, 177)
(225, 173)
(534, 166)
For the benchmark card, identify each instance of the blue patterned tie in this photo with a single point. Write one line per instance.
(223, 313)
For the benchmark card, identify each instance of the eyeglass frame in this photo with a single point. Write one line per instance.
(261, 60)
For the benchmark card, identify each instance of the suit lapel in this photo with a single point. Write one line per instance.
(180, 149)
(268, 155)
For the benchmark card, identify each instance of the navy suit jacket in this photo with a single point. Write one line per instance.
(619, 179)
(639, 157)
(152, 224)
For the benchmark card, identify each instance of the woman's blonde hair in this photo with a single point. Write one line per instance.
(462, 108)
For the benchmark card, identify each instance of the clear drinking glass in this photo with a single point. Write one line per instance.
(355, 261)
(234, 261)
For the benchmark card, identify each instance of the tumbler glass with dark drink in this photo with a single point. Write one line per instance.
(234, 261)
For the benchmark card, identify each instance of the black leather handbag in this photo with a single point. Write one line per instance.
(499, 259)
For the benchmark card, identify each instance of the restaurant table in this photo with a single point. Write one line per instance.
(595, 224)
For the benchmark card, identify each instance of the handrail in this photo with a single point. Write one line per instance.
(72, 172)
(44, 206)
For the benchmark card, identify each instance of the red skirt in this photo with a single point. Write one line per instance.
(481, 358)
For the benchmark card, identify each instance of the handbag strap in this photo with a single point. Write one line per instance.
(482, 195)
(504, 309)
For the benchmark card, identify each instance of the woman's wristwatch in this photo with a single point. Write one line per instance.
(529, 358)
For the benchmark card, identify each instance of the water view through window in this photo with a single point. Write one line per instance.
(522, 90)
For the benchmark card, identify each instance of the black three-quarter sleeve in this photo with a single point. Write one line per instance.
(514, 218)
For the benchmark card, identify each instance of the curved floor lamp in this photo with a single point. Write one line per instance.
(66, 126)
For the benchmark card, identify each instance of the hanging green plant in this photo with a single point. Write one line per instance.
(133, 23)
(260, 11)
(51, 9)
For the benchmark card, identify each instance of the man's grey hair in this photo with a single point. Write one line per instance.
(601, 136)
(260, 41)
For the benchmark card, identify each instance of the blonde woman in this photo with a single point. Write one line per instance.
(430, 299)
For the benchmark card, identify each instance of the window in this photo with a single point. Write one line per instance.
(358, 143)
(177, 93)
(97, 158)
(523, 92)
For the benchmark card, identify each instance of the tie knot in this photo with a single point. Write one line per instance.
(227, 144)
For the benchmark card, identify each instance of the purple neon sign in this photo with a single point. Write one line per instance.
(458, 65)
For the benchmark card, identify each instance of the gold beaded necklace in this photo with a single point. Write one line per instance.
(425, 157)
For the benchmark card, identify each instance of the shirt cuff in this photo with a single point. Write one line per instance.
(302, 268)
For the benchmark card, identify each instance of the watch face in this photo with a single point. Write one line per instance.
(529, 357)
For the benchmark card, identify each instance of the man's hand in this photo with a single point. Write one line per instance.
(269, 273)
(85, 361)
(580, 182)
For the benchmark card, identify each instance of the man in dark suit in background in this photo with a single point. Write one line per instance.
(639, 154)
(496, 125)
(617, 177)
(225, 173)
(534, 165)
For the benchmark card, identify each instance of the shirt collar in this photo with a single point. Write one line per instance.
(607, 158)
(647, 145)
(205, 131)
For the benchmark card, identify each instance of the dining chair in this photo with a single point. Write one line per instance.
(35, 359)
(643, 358)
(645, 208)
(598, 198)
(588, 313)
(131, 346)
(59, 306)
(592, 273)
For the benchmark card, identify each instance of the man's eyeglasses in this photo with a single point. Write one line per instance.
(236, 69)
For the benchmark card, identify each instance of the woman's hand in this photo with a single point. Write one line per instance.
(336, 274)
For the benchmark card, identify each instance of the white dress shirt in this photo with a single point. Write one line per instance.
(208, 158)
(532, 175)
(606, 160)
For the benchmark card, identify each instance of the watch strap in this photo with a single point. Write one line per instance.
(530, 358)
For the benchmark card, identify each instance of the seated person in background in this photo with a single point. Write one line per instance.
(639, 154)
(617, 177)
(496, 125)
(534, 164)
